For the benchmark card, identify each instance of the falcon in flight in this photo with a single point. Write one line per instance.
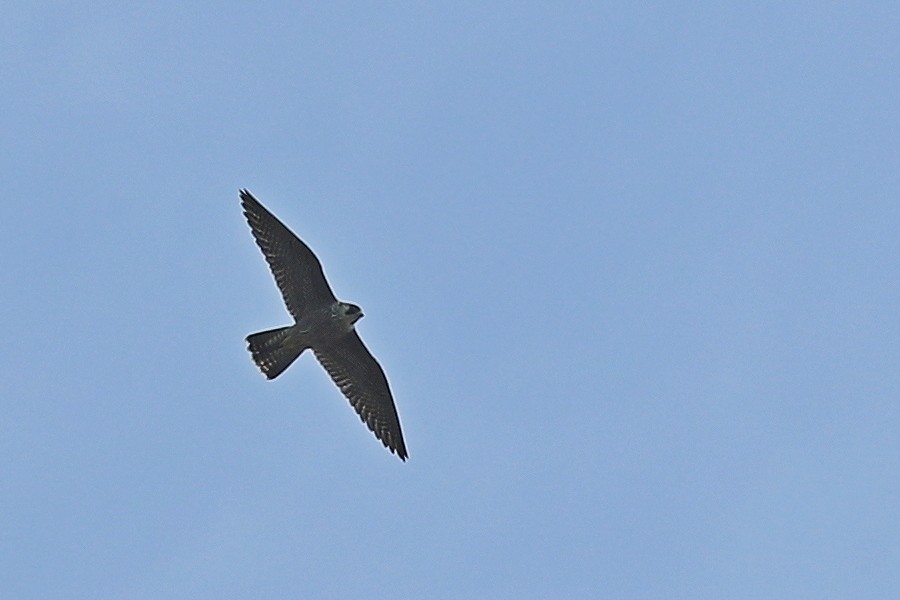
(322, 324)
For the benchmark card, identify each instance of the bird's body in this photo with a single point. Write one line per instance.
(323, 324)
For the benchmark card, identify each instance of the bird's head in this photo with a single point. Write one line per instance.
(350, 312)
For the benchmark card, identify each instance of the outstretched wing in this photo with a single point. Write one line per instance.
(297, 271)
(362, 381)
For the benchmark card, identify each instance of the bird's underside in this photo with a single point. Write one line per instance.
(322, 324)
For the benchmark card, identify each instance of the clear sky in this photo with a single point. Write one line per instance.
(633, 270)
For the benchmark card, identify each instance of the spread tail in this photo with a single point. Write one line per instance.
(270, 351)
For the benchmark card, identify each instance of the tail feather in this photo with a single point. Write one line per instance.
(270, 352)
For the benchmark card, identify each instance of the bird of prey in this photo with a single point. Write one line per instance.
(322, 324)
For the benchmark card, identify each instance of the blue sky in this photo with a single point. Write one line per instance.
(631, 268)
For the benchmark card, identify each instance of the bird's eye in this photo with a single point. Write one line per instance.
(352, 310)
